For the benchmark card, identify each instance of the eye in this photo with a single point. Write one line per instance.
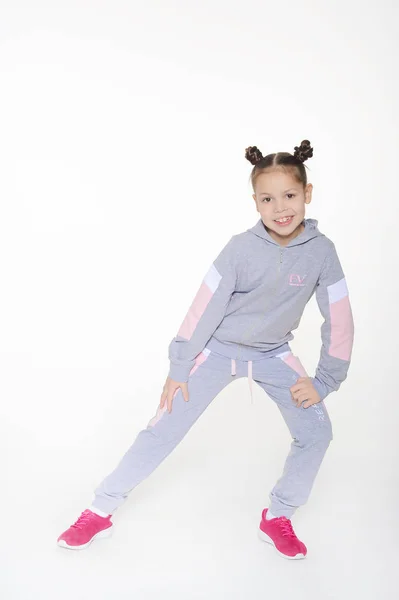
(292, 195)
(266, 199)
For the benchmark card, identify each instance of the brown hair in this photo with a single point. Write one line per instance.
(291, 162)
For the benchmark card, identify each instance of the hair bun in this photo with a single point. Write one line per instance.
(304, 151)
(253, 154)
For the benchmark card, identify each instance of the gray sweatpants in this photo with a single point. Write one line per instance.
(310, 429)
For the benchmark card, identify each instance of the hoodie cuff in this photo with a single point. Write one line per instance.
(320, 387)
(179, 373)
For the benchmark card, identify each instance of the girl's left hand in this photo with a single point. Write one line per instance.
(304, 391)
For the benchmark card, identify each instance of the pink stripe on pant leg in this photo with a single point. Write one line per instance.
(201, 358)
(295, 364)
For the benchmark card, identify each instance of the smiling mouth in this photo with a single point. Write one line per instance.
(284, 220)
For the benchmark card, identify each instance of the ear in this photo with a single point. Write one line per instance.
(308, 193)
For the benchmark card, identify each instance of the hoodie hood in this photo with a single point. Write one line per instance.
(311, 231)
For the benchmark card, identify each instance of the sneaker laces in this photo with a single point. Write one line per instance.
(286, 527)
(84, 518)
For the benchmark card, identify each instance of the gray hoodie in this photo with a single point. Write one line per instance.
(253, 297)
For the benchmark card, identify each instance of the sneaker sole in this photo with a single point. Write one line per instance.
(265, 538)
(105, 533)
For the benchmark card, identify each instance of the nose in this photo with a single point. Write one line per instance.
(279, 206)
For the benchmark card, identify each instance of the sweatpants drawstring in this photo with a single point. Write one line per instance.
(233, 372)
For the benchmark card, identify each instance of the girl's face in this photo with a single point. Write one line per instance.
(280, 199)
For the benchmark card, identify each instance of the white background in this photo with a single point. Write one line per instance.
(123, 127)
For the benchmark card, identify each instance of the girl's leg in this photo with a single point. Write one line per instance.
(310, 429)
(211, 373)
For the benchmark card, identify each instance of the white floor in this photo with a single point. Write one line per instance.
(190, 530)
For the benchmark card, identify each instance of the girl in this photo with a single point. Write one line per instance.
(239, 324)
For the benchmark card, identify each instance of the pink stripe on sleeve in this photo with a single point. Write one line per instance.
(342, 330)
(195, 311)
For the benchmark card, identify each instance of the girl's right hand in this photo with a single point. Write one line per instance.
(169, 390)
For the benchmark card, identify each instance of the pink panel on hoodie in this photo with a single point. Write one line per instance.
(342, 330)
(195, 311)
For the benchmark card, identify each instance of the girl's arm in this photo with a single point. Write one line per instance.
(205, 313)
(337, 331)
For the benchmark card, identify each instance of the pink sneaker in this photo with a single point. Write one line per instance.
(88, 527)
(279, 532)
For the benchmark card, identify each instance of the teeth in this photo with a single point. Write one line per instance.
(283, 220)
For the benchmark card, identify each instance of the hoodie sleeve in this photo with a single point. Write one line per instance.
(205, 313)
(337, 331)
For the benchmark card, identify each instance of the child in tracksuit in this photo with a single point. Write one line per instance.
(239, 325)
